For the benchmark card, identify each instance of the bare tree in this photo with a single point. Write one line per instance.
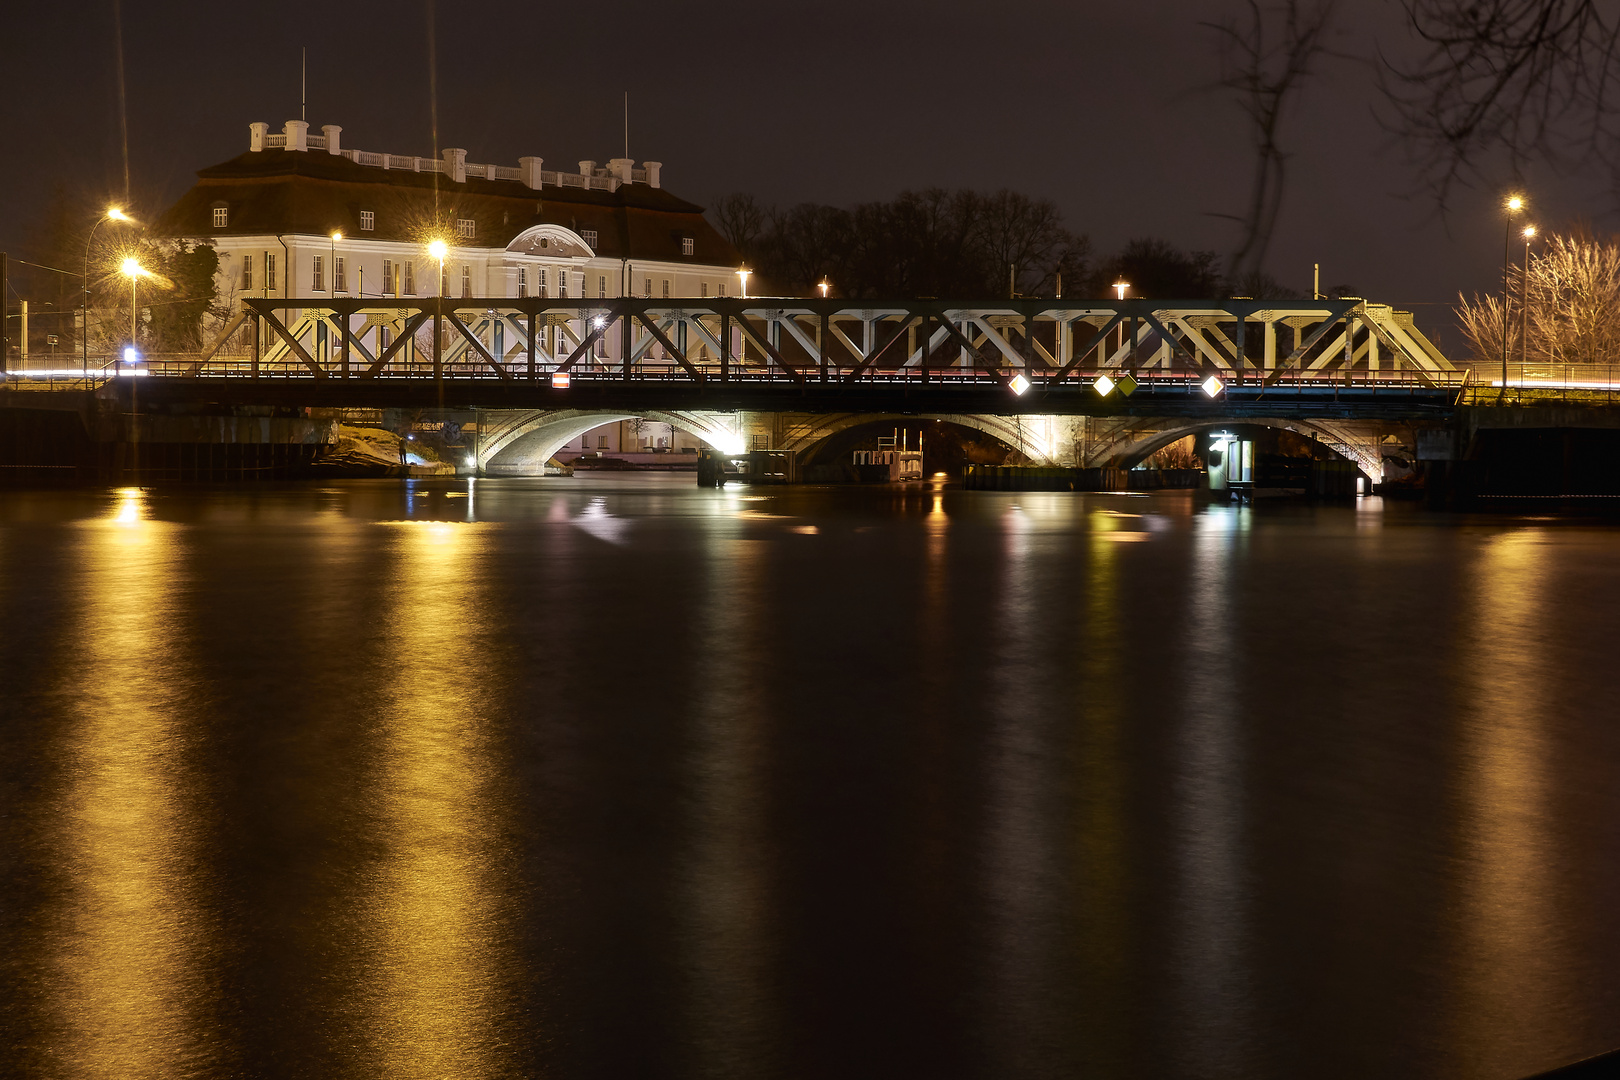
(1266, 59)
(740, 219)
(1510, 77)
(1570, 299)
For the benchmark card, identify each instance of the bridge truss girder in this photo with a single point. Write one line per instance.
(1050, 342)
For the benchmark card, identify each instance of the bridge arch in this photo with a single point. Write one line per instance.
(529, 439)
(1128, 445)
(1044, 440)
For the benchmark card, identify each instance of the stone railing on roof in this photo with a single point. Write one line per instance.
(295, 136)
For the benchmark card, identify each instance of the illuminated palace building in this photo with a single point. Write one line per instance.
(299, 215)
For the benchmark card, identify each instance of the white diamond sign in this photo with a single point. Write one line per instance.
(1213, 386)
(1018, 385)
(1104, 385)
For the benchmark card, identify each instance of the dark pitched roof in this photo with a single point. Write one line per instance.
(282, 192)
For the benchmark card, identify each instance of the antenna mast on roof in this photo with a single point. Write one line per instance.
(303, 84)
(627, 123)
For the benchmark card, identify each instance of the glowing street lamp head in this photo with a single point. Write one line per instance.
(823, 287)
(1529, 232)
(115, 213)
(742, 277)
(1120, 287)
(336, 236)
(1515, 203)
(131, 267)
(438, 249)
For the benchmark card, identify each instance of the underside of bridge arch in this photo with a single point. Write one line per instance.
(1039, 440)
(1127, 443)
(520, 443)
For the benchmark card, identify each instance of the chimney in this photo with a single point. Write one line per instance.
(455, 162)
(587, 168)
(529, 168)
(332, 131)
(256, 134)
(297, 132)
(620, 167)
(652, 168)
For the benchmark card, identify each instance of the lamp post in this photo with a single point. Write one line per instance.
(1120, 287)
(132, 269)
(336, 236)
(823, 287)
(1529, 234)
(438, 249)
(742, 278)
(113, 213)
(1514, 206)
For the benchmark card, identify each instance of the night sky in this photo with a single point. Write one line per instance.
(1108, 109)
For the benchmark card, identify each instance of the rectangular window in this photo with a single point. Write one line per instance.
(466, 281)
(339, 282)
(247, 273)
(686, 245)
(666, 288)
(523, 282)
(540, 282)
(466, 228)
(270, 272)
(646, 288)
(410, 278)
(222, 217)
(601, 287)
(589, 236)
(601, 442)
(703, 289)
(562, 284)
(388, 277)
(720, 289)
(368, 221)
(317, 277)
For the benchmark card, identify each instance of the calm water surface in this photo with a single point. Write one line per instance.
(619, 777)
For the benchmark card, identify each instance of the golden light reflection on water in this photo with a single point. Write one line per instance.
(127, 982)
(726, 871)
(1512, 993)
(436, 967)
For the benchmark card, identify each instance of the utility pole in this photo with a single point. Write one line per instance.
(5, 340)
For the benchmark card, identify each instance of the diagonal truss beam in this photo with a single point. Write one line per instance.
(669, 346)
(476, 345)
(280, 328)
(406, 333)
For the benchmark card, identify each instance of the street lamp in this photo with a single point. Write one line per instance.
(1514, 207)
(1529, 234)
(742, 277)
(438, 249)
(1120, 287)
(113, 213)
(823, 287)
(133, 270)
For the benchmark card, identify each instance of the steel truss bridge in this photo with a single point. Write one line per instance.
(1005, 356)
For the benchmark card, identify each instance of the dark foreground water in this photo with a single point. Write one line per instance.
(622, 778)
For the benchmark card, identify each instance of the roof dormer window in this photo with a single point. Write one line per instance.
(687, 245)
(222, 216)
(466, 228)
(589, 236)
(368, 220)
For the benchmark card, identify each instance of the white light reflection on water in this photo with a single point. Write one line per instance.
(129, 945)
(435, 924)
(1214, 934)
(728, 954)
(1513, 968)
(1024, 887)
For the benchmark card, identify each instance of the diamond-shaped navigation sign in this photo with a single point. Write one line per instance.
(1213, 386)
(1018, 385)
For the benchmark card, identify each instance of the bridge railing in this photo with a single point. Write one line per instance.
(1544, 381)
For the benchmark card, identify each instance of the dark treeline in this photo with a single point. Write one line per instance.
(964, 243)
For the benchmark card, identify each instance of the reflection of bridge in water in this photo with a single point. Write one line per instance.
(1077, 382)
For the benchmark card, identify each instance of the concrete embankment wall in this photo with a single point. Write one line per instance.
(63, 441)
(1503, 455)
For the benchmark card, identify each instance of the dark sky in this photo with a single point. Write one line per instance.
(1105, 108)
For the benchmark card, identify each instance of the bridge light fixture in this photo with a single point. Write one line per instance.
(1018, 385)
(1104, 385)
(1120, 287)
(823, 287)
(598, 322)
(559, 380)
(1212, 386)
(742, 279)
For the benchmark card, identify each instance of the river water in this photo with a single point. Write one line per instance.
(620, 777)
